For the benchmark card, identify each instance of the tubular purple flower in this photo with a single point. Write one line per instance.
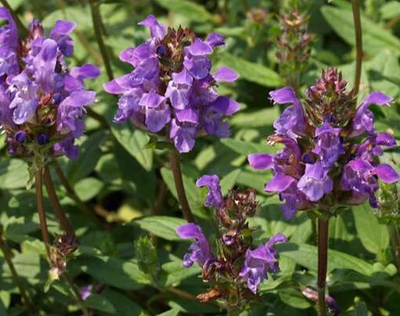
(200, 250)
(315, 182)
(292, 121)
(359, 178)
(329, 145)
(261, 260)
(9, 44)
(214, 196)
(363, 121)
(287, 170)
(175, 65)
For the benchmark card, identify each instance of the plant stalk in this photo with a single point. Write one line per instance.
(359, 49)
(76, 295)
(41, 211)
(323, 226)
(395, 236)
(90, 213)
(174, 160)
(8, 257)
(63, 220)
(97, 24)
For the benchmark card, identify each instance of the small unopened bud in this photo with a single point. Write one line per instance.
(42, 139)
(20, 137)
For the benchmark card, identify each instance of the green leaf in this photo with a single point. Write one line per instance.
(294, 298)
(246, 148)
(373, 236)
(122, 274)
(134, 142)
(174, 274)
(13, 174)
(390, 10)
(74, 13)
(306, 255)
(162, 226)
(124, 306)
(252, 72)
(229, 181)
(192, 192)
(172, 312)
(375, 38)
(88, 188)
(100, 303)
(89, 155)
(192, 11)
(361, 309)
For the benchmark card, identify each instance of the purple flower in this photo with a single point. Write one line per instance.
(214, 196)
(360, 177)
(315, 182)
(292, 120)
(363, 121)
(329, 145)
(85, 292)
(200, 250)
(45, 100)
(330, 301)
(261, 260)
(372, 146)
(171, 90)
(9, 44)
(287, 170)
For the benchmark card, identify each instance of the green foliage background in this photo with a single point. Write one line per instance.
(122, 179)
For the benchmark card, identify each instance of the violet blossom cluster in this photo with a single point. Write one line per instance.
(236, 261)
(42, 102)
(331, 148)
(171, 91)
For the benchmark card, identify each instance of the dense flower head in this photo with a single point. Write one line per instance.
(42, 102)
(171, 91)
(236, 260)
(331, 148)
(293, 42)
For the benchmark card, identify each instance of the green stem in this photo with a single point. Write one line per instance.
(63, 220)
(359, 48)
(8, 257)
(76, 295)
(89, 212)
(395, 236)
(97, 24)
(174, 159)
(323, 225)
(41, 211)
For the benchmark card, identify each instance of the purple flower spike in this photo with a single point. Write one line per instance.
(331, 151)
(292, 120)
(176, 66)
(200, 250)
(214, 196)
(261, 260)
(41, 100)
(315, 182)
